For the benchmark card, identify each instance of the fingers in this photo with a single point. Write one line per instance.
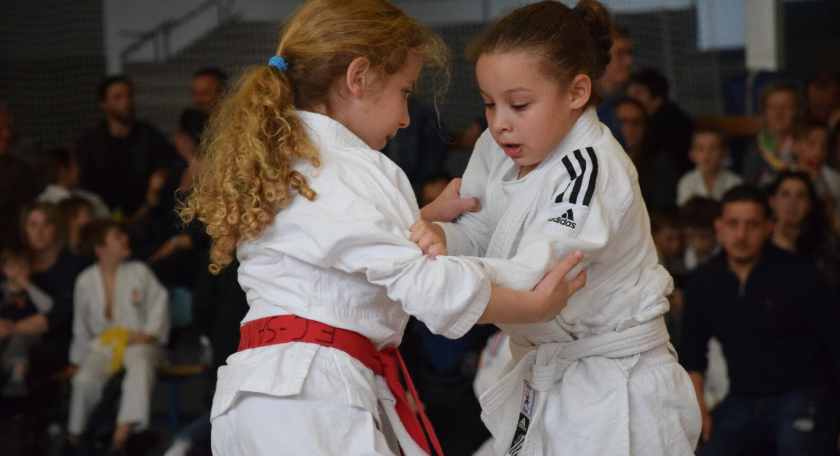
(568, 263)
(469, 205)
(435, 250)
(577, 283)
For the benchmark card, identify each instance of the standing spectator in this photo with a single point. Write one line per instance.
(59, 169)
(209, 85)
(777, 324)
(419, 149)
(17, 183)
(810, 148)
(122, 159)
(823, 96)
(20, 146)
(801, 225)
(611, 84)
(709, 178)
(772, 150)
(658, 174)
(670, 126)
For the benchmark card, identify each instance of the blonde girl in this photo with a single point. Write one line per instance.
(319, 220)
(600, 378)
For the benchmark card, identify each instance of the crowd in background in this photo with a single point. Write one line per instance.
(91, 230)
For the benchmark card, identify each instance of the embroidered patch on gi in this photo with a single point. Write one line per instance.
(526, 411)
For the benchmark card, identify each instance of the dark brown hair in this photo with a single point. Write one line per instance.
(570, 41)
(709, 131)
(803, 128)
(94, 233)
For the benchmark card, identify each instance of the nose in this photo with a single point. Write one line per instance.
(499, 122)
(404, 119)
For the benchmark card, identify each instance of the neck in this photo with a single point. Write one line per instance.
(709, 177)
(109, 265)
(45, 259)
(118, 128)
(742, 269)
(779, 136)
(786, 234)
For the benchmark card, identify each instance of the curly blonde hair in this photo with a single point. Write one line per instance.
(255, 137)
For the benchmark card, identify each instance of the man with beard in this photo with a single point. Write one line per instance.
(123, 159)
(773, 315)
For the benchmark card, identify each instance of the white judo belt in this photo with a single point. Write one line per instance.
(540, 367)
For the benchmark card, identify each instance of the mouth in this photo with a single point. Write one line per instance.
(512, 150)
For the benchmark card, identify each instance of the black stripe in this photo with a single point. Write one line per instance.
(559, 198)
(579, 182)
(590, 190)
(569, 168)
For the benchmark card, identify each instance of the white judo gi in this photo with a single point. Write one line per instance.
(601, 378)
(141, 306)
(344, 260)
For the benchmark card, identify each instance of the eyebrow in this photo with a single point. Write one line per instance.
(508, 91)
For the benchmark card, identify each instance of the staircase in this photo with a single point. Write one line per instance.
(162, 90)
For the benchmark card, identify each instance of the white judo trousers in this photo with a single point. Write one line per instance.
(141, 306)
(601, 378)
(344, 260)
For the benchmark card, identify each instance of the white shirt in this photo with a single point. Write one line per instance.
(141, 304)
(691, 184)
(345, 260)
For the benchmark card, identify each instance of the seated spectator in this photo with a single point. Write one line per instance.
(179, 252)
(53, 272)
(667, 237)
(209, 85)
(58, 167)
(121, 317)
(772, 150)
(670, 126)
(810, 147)
(22, 147)
(123, 160)
(658, 175)
(611, 84)
(709, 178)
(76, 213)
(801, 225)
(17, 184)
(774, 317)
(697, 219)
(823, 96)
(20, 299)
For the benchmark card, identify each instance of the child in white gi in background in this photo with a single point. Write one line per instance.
(601, 378)
(120, 317)
(294, 182)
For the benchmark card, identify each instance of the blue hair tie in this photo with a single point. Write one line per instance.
(278, 62)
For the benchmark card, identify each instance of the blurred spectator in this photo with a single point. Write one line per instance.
(209, 85)
(54, 271)
(709, 178)
(179, 252)
(615, 76)
(801, 225)
(670, 126)
(823, 96)
(419, 149)
(121, 316)
(20, 299)
(76, 212)
(22, 147)
(772, 151)
(17, 184)
(667, 236)
(777, 324)
(122, 159)
(59, 169)
(658, 174)
(810, 148)
(697, 219)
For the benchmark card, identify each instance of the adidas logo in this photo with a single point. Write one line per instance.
(523, 424)
(567, 219)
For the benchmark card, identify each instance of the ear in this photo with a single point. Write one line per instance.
(580, 90)
(718, 226)
(359, 76)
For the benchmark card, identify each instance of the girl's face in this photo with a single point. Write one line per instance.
(527, 112)
(41, 234)
(791, 202)
(376, 116)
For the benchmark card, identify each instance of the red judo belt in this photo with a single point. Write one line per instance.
(388, 363)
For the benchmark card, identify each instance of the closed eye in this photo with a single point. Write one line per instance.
(519, 107)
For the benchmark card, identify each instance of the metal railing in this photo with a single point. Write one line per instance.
(160, 36)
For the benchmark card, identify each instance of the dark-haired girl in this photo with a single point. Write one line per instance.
(601, 378)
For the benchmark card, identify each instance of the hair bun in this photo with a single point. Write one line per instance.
(597, 18)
